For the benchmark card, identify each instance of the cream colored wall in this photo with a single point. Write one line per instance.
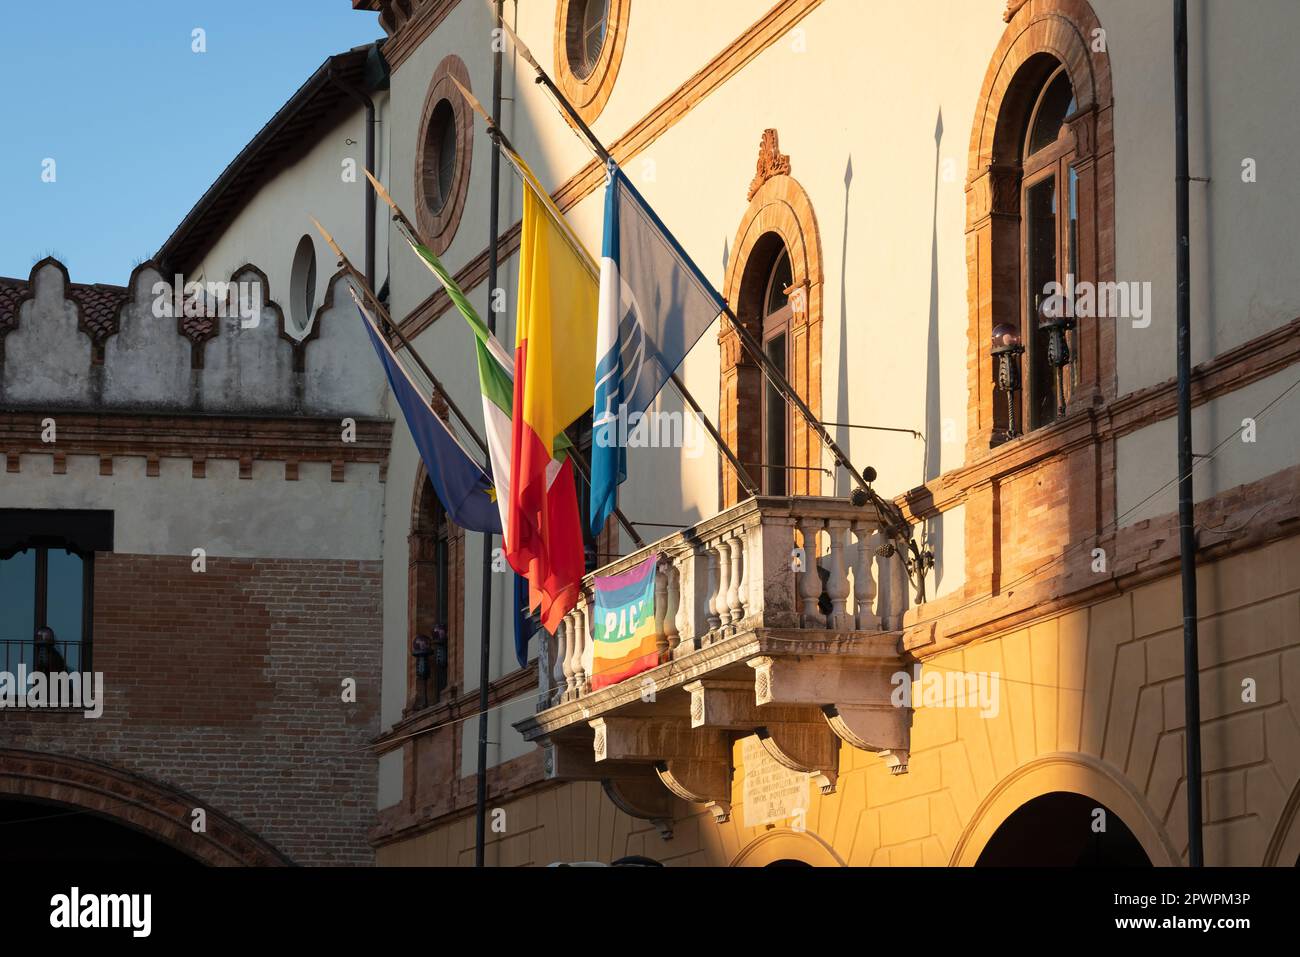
(1241, 81)
(1089, 702)
(267, 230)
(1243, 454)
(863, 88)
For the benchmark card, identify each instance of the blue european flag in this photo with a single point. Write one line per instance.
(462, 486)
(654, 306)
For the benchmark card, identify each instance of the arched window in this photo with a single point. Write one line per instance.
(774, 286)
(1049, 250)
(435, 581)
(1040, 226)
(777, 313)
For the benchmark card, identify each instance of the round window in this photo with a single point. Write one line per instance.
(586, 35)
(439, 156)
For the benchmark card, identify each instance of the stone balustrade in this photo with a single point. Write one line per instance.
(780, 619)
(812, 564)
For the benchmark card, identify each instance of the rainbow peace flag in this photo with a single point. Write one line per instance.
(624, 634)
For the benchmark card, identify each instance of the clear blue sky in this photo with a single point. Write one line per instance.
(138, 124)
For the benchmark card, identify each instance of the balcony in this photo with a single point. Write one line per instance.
(779, 617)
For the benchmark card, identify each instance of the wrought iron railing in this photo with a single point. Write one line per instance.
(47, 657)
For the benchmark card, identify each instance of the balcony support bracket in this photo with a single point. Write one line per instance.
(854, 697)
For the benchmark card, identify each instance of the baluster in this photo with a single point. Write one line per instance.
(545, 651)
(864, 584)
(837, 584)
(580, 652)
(810, 582)
(717, 588)
(662, 572)
(673, 609)
(565, 634)
(893, 587)
(901, 591)
(745, 542)
(735, 597)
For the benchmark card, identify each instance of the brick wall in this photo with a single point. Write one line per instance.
(228, 685)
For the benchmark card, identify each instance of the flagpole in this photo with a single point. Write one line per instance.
(391, 327)
(503, 142)
(891, 515)
(579, 460)
(485, 639)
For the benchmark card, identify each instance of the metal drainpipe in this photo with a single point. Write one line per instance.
(1186, 509)
(365, 100)
(485, 640)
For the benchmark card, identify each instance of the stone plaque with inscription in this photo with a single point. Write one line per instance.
(771, 793)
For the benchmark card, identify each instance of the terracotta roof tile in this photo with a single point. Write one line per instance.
(99, 307)
(12, 293)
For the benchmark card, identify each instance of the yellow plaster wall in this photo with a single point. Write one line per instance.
(1090, 702)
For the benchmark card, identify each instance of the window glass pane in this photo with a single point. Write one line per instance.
(447, 157)
(17, 609)
(63, 603)
(775, 424)
(593, 34)
(780, 280)
(1040, 252)
(1056, 103)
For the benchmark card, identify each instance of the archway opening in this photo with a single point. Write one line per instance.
(1063, 829)
(41, 832)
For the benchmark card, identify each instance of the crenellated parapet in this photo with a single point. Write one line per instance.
(220, 347)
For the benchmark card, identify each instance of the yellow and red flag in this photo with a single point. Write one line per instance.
(555, 365)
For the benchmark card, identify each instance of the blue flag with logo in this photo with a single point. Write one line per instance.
(654, 306)
(462, 486)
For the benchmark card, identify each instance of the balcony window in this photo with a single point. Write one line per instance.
(45, 591)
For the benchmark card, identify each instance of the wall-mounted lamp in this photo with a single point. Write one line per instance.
(1006, 351)
(1053, 320)
(420, 649)
(440, 659)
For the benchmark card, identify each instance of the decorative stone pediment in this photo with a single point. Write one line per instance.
(771, 162)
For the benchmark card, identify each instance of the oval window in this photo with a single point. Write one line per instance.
(302, 281)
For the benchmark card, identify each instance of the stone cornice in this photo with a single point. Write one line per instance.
(197, 437)
(1255, 359)
(503, 689)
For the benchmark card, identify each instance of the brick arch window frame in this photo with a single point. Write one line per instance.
(439, 227)
(424, 601)
(589, 94)
(778, 206)
(1067, 31)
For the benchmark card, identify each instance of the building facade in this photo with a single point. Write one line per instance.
(898, 201)
(192, 504)
(884, 194)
